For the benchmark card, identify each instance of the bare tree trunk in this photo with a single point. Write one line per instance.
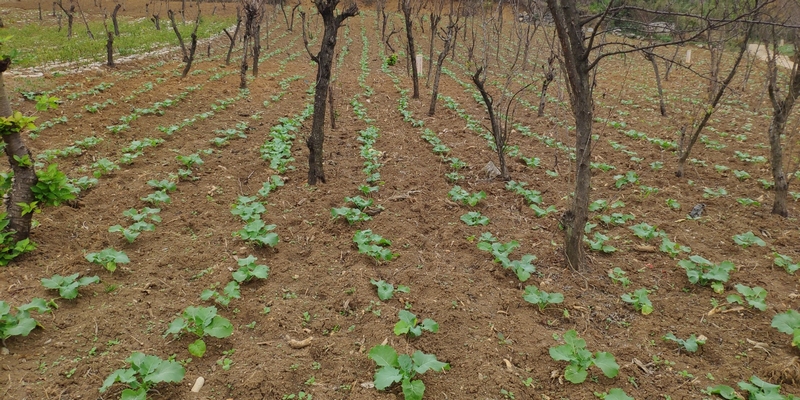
(294, 9)
(40, 11)
(576, 64)
(684, 153)
(250, 10)
(324, 60)
(256, 47)
(70, 16)
(781, 109)
(331, 106)
(548, 78)
(194, 46)
(171, 16)
(88, 31)
(648, 55)
(233, 37)
(157, 21)
(434, 21)
(670, 63)
(110, 50)
(114, 19)
(24, 173)
(500, 134)
(448, 39)
(411, 50)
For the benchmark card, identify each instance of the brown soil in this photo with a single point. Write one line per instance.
(491, 337)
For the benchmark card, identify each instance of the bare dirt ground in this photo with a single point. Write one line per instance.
(760, 50)
(319, 285)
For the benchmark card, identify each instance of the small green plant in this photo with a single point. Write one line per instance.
(165, 185)
(259, 233)
(391, 60)
(144, 373)
(386, 290)
(459, 195)
(103, 166)
(157, 198)
(474, 218)
(229, 292)
(691, 344)
(579, 359)
(760, 389)
(21, 323)
(671, 248)
(108, 258)
(403, 369)
(373, 245)
(542, 212)
(748, 239)
(410, 325)
(270, 186)
(523, 267)
(703, 272)
(718, 192)
(785, 262)
(613, 394)
(201, 321)
(352, 215)
(598, 205)
(639, 300)
(541, 298)
(741, 175)
(53, 187)
(630, 178)
(139, 222)
(748, 202)
(68, 286)
(616, 218)
(599, 243)
(617, 275)
(788, 322)
(645, 231)
(248, 269)
(755, 297)
(673, 204)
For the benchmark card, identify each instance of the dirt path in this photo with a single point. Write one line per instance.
(762, 52)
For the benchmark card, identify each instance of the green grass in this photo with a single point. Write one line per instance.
(42, 44)
(786, 50)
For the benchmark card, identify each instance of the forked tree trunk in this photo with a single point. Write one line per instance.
(412, 53)
(194, 46)
(85, 23)
(448, 39)
(171, 16)
(669, 63)
(24, 175)
(576, 63)
(434, 21)
(685, 152)
(114, 19)
(233, 37)
(156, 21)
(548, 78)
(324, 60)
(648, 55)
(250, 11)
(500, 135)
(70, 17)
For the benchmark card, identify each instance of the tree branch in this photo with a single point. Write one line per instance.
(314, 58)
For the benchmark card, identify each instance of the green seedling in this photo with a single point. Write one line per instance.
(630, 178)
(373, 245)
(103, 166)
(144, 373)
(157, 198)
(598, 205)
(474, 218)
(164, 185)
(616, 219)
(139, 222)
(741, 175)
(68, 286)
(9, 248)
(542, 212)
(352, 215)
(718, 192)
(459, 195)
(270, 186)
(531, 196)
(761, 390)
(703, 272)
(53, 187)
(599, 243)
(386, 290)
(201, 321)
(673, 204)
(785, 262)
(259, 233)
(248, 269)
(617, 275)
(190, 160)
(748, 202)
(788, 322)
(692, 344)
(108, 258)
(645, 231)
(579, 359)
(613, 394)
(523, 267)
(408, 324)
(748, 239)
(229, 292)
(639, 300)
(248, 208)
(21, 323)
(602, 166)
(671, 248)
(403, 369)
(541, 298)
(84, 182)
(755, 297)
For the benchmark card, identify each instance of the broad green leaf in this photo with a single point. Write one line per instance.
(617, 394)
(384, 356)
(23, 327)
(575, 374)
(606, 362)
(424, 362)
(562, 353)
(130, 394)
(430, 325)
(120, 375)
(413, 389)
(406, 364)
(786, 322)
(725, 391)
(176, 326)
(197, 348)
(220, 327)
(386, 376)
(385, 290)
